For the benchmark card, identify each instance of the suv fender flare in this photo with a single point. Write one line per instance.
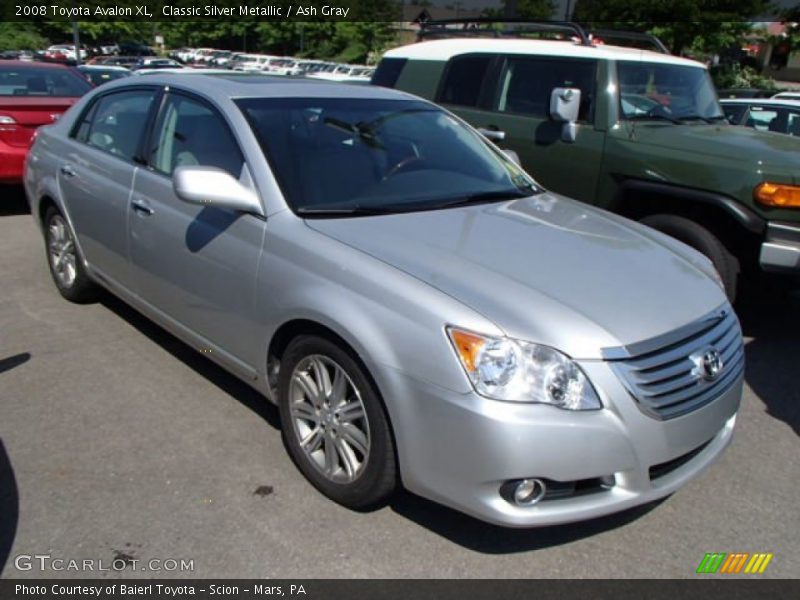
(740, 213)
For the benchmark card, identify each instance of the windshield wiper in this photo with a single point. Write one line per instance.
(344, 211)
(483, 198)
(648, 116)
(695, 118)
(365, 133)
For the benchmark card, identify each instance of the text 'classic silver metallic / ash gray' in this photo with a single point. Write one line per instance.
(419, 308)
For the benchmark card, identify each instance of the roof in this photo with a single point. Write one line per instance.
(763, 102)
(31, 64)
(232, 85)
(102, 68)
(442, 50)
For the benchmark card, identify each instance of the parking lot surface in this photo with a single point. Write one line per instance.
(117, 441)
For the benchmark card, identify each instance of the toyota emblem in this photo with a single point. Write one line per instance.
(708, 364)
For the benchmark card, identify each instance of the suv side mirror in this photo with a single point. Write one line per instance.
(210, 186)
(564, 106)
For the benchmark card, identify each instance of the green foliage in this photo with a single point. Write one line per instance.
(532, 9)
(707, 26)
(734, 76)
(20, 36)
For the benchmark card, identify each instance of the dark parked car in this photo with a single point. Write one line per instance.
(777, 116)
(100, 74)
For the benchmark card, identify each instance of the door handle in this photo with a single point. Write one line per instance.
(492, 133)
(141, 206)
(68, 171)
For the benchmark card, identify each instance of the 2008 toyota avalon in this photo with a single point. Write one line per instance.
(421, 311)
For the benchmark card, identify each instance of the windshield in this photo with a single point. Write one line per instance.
(664, 91)
(41, 81)
(345, 155)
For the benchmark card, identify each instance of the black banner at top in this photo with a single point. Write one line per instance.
(201, 10)
(398, 10)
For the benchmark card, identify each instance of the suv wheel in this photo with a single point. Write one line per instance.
(334, 424)
(65, 264)
(702, 240)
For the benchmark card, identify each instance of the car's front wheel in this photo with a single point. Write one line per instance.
(334, 423)
(65, 265)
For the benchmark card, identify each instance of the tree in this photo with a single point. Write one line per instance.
(20, 36)
(704, 26)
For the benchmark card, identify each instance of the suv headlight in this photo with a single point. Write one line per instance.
(506, 369)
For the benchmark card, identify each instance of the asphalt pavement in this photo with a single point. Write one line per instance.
(120, 443)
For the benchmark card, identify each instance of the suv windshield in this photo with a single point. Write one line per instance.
(344, 156)
(663, 91)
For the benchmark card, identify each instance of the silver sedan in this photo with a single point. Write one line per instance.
(420, 309)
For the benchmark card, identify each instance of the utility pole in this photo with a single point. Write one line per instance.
(76, 37)
(76, 40)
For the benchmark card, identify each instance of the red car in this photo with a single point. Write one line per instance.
(31, 94)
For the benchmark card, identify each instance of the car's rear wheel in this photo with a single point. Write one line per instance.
(701, 239)
(65, 265)
(334, 423)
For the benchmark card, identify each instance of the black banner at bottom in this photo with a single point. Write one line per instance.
(319, 589)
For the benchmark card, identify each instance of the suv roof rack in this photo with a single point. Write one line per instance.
(479, 27)
(621, 34)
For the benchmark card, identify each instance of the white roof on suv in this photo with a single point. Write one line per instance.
(441, 50)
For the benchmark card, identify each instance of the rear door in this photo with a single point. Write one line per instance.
(197, 264)
(96, 175)
(511, 94)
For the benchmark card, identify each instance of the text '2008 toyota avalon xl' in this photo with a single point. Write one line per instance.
(418, 307)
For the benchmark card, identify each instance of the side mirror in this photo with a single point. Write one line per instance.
(564, 106)
(211, 186)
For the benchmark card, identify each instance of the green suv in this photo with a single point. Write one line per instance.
(636, 132)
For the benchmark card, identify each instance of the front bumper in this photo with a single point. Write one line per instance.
(780, 252)
(458, 449)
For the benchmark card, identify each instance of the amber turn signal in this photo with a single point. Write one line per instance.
(777, 195)
(467, 345)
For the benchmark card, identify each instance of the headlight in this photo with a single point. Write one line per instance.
(506, 369)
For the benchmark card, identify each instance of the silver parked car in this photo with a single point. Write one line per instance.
(420, 310)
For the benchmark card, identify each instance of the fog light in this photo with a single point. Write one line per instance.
(528, 492)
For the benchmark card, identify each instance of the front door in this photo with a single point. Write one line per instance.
(196, 264)
(518, 106)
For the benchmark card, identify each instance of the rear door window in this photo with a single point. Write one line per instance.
(463, 80)
(116, 122)
(388, 72)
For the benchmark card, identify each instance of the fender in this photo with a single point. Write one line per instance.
(740, 213)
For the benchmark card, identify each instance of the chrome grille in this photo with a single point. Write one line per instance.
(667, 376)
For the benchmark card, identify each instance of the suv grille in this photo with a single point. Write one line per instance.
(677, 373)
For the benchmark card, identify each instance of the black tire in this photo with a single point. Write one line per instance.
(80, 289)
(702, 240)
(378, 478)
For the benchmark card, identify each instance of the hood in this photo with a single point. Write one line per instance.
(753, 150)
(545, 269)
